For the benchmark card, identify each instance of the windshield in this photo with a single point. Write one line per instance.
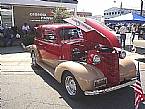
(70, 33)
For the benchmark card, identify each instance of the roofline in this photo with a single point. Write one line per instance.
(39, 3)
(123, 8)
(56, 26)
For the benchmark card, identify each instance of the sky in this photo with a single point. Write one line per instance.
(97, 7)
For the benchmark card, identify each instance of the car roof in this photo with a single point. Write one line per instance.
(57, 26)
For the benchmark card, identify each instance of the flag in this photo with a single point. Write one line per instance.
(139, 95)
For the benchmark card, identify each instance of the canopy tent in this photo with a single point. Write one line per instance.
(127, 18)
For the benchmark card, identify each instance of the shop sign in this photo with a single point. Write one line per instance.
(41, 17)
(37, 14)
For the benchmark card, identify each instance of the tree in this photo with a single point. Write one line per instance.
(60, 13)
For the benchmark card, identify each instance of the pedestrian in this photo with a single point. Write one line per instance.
(8, 37)
(1, 28)
(123, 31)
(139, 32)
(25, 28)
(1, 31)
(133, 30)
(116, 29)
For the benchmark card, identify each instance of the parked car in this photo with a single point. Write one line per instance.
(85, 57)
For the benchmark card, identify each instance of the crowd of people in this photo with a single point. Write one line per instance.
(10, 34)
(134, 29)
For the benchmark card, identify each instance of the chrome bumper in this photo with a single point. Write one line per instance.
(96, 92)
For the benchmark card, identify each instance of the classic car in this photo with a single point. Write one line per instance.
(84, 56)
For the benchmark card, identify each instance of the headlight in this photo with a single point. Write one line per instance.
(96, 59)
(122, 54)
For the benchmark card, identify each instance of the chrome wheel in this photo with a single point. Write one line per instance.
(70, 85)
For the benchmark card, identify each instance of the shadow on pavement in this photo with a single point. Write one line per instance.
(11, 50)
(120, 99)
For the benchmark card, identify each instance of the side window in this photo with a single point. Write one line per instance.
(50, 37)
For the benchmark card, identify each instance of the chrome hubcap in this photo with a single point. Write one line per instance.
(70, 85)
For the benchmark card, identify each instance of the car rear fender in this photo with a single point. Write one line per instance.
(85, 74)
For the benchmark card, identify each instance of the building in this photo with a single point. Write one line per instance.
(18, 12)
(98, 18)
(84, 14)
(115, 11)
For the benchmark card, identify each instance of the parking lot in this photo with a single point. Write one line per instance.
(24, 87)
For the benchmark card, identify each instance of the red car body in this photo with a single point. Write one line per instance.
(88, 43)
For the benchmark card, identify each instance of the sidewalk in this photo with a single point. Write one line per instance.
(132, 55)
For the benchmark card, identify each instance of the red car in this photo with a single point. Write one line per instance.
(85, 57)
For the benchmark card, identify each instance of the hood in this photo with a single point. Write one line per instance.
(110, 37)
(90, 25)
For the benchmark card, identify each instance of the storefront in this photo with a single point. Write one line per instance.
(32, 12)
(32, 15)
(6, 15)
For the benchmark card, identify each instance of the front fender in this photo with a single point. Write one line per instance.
(85, 74)
(127, 69)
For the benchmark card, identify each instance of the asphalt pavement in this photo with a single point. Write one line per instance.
(25, 87)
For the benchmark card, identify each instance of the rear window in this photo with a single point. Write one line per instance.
(70, 33)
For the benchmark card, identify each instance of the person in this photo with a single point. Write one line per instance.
(133, 30)
(116, 29)
(25, 28)
(139, 31)
(8, 36)
(1, 30)
(123, 31)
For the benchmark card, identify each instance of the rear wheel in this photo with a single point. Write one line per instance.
(71, 86)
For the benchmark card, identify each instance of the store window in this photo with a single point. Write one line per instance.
(6, 15)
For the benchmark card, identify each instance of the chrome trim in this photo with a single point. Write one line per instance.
(96, 92)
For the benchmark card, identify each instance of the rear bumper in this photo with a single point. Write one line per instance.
(96, 92)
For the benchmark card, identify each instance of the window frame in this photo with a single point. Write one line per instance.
(47, 35)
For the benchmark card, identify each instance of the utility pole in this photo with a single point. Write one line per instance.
(121, 8)
(141, 10)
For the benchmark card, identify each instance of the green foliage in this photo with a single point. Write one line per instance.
(28, 39)
(60, 13)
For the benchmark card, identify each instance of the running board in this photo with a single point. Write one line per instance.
(47, 68)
